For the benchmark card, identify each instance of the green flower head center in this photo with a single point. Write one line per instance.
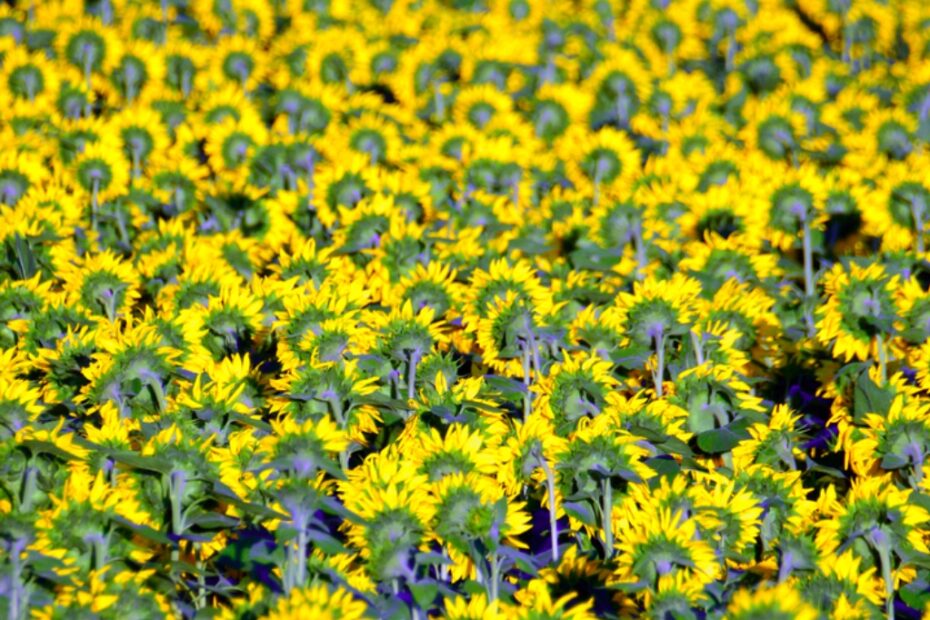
(791, 205)
(94, 174)
(867, 307)
(371, 143)
(26, 82)
(721, 221)
(653, 319)
(86, 50)
(13, 185)
(909, 203)
(601, 165)
(894, 140)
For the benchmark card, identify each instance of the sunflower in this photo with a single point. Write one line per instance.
(230, 145)
(335, 389)
(750, 312)
(842, 584)
(64, 363)
(318, 601)
(142, 135)
(653, 544)
(657, 313)
(456, 451)
(102, 284)
(388, 496)
(599, 161)
(19, 172)
(597, 456)
(773, 445)
(83, 522)
(781, 602)
(102, 171)
(29, 78)
(621, 84)
(729, 516)
(228, 323)
(536, 601)
(131, 369)
(135, 72)
(859, 312)
(903, 209)
(898, 440)
(580, 386)
(881, 524)
(475, 515)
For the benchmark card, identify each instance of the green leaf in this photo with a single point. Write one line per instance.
(868, 397)
(424, 593)
(144, 531)
(580, 511)
(631, 357)
(894, 461)
(720, 440)
(37, 446)
(146, 463)
(916, 594)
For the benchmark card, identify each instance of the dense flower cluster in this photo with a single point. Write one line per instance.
(464, 309)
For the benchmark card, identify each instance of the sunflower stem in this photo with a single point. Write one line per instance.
(808, 260)
(553, 523)
(608, 517)
(88, 65)
(731, 52)
(164, 21)
(94, 197)
(494, 581)
(659, 340)
(413, 360)
(918, 216)
(29, 486)
(527, 396)
(880, 542)
(882, 358)
(201, 601)
(159, 392)
(17, 594)
(640, 248)
(698, 348)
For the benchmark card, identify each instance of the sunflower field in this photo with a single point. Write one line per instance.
(418, 309)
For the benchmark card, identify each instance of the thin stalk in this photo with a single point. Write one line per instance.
(302, 542)
(553, 523)
(607, 517)
(784, 569)
(412, 361)
(527, 395)
(731, 52)
(640, 246)
(88, 64)
(30, 484)
(659, 375)
(444, 567)
(176, 482)
(918, 216)
(884, 556)
(882, 358)
(94, 200)
(159, 392)
(17, 594)
(698, 348)
(808, 260)
(164, 22)
(200, 601)
(494, 582)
